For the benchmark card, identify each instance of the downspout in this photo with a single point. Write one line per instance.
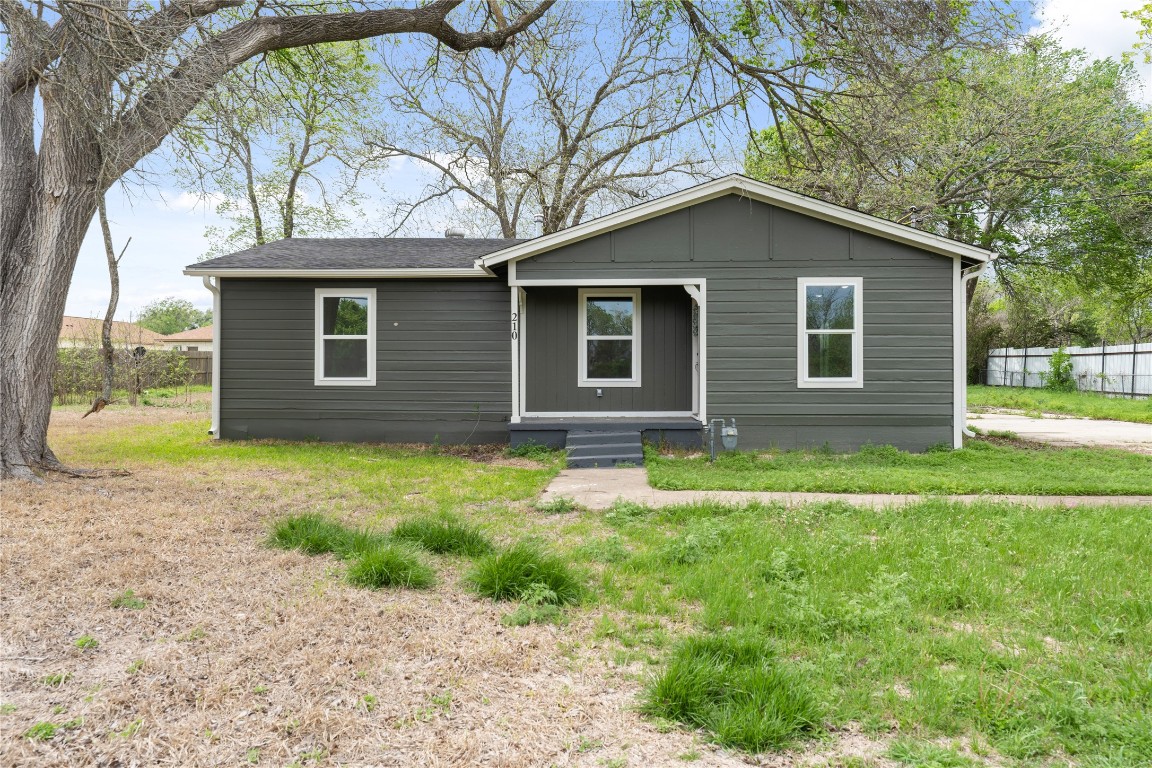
(971, 273)
(217, 339)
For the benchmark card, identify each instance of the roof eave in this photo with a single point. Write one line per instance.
(341, 274)
(736, 184)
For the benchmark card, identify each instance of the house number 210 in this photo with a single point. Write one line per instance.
(515, 323)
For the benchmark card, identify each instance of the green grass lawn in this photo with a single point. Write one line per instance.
(1036, 401)
(979, 467)
(1027, 630)
(400, 478)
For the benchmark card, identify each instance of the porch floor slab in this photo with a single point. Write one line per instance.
(600, 488)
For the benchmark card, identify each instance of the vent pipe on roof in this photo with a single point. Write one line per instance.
(454, 232)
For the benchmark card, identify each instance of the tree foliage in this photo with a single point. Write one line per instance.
(172, 315)
(280, 144)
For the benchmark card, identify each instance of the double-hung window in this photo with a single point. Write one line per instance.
(831, 335)
(609, 337)
(346, 336)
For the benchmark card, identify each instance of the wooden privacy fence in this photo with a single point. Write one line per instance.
(1120, 369)
(200, 364)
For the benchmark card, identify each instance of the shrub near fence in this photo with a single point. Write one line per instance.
(79, 376)
(1119, 369)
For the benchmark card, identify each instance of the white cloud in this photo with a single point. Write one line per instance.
(187, 202)
(1097, 27)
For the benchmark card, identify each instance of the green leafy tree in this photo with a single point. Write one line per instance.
(280, 144)
(172, 315)
(996, 155)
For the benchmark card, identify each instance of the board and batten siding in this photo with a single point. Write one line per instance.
(552, 340)
(751, 254)
(443, 363)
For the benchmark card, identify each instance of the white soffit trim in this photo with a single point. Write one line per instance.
(756, 190)
(339, 273)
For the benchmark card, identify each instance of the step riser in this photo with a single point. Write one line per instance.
(587, 450)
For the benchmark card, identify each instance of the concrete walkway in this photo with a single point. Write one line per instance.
(1067, 431)
(600, 488)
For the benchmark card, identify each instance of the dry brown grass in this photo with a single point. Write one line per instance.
(243, 648)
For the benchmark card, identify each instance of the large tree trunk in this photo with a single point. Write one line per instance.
(39, 254)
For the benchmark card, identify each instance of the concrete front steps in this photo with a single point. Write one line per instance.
(591, 449)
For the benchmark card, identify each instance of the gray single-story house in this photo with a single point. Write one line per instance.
(806, 322)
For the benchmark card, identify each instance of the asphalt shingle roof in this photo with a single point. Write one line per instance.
(361, 253)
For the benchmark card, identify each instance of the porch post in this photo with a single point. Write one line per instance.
(516, 330)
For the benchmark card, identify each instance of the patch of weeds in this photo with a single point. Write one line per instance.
(734, 686)
(609, 550)
(135, 666)
(690, 756)
(58, 709)
(556, 506)
(534, 451)
(56, 679)
(192, 635)
(132, 729)
(622, 512)
(702, 539)
(538, 607)
(252, 755)
(927, 756)
(86, 643)
(259, 690)
(42, 732)
(444, 535)
(518, 573)
(369, 702)
(46, 731)
(312, 534)
(391, 565)
(127, 599)
(586, 744)
(443, 701)
(7, 709)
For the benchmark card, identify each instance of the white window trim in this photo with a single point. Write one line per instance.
(582, 321)
(803, 380)
(370, 338)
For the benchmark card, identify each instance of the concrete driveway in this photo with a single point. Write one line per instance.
(1068, 430)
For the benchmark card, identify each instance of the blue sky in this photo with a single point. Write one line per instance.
(167, 225)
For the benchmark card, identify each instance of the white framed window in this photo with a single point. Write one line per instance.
(609, 337)
(830, 324)
(346, 337)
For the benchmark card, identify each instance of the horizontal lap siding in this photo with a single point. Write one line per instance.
(751, 255)
(442, 363)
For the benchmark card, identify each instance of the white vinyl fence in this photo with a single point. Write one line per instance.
(1122, 369)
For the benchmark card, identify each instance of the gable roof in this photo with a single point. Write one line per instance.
(745, 187)
(356, 257)
(203, 333)
(85, 331)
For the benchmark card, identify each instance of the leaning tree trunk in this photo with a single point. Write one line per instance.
(58, 186)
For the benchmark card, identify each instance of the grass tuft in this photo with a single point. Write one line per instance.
(312, 534)
(526, 572)
(734, 686)
(444, 535)
(390, 565)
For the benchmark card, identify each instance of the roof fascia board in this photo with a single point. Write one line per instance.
(338, 274)
(765, 193)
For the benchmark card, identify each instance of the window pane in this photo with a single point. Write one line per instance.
(609, 359)
(609, 316)
(346, 358)
(830, 306)
(345, 316)
(830, 355)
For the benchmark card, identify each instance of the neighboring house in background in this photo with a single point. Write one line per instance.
(194, 340)
(808, 323)
(85, 332)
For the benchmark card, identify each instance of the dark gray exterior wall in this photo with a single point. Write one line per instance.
(442, 356)
(751, 254)
(551, 326)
